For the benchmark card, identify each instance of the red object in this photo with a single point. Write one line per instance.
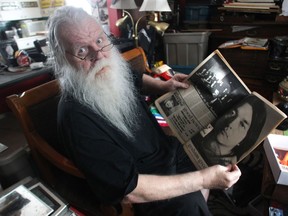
(23, 60)
(114, 15)
(165, 75)
(76, 211)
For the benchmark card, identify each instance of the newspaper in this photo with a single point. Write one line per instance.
(201, 115)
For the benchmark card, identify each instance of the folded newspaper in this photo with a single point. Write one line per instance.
(218, 119)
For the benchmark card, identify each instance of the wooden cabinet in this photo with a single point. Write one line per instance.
(251, 65)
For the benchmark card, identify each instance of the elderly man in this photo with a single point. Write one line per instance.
(110, 134)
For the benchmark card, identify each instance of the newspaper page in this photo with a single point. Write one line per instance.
(231, 137)
(214, 89)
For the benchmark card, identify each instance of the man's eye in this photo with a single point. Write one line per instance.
(82, 52)
(233, 113)
(100, 41)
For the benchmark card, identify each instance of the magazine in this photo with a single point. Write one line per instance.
(218, 119)
(21, 201)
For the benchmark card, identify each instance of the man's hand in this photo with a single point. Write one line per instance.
(220, 177)
(177, 81)
(159, 87)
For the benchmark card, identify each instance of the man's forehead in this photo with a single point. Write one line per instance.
(81, 31)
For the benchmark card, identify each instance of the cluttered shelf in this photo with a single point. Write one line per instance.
(253, 66)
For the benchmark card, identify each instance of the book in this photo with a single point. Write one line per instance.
(251, 10)
(270, 4)
(262, 7)
(252, 5)
(218, 119)
(21, 201)
(256, 1)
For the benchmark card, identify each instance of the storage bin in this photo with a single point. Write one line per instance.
(185, 48)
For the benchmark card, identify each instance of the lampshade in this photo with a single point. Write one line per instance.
(155, 5)
(124, 4)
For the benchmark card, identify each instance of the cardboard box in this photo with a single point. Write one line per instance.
(276, 146)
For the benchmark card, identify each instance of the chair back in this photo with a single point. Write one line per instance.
(137, 60)
(36, 110)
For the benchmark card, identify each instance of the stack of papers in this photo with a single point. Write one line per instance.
(247, 43)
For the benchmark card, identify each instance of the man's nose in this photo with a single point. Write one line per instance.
(97, 55)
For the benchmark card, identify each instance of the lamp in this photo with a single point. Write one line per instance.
(123, 4)
(147, 5)
(153, 5)
(159, 26)
(120, 21)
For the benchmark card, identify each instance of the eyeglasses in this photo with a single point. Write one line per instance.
(92, 56)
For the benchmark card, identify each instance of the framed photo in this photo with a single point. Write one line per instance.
(22, 202)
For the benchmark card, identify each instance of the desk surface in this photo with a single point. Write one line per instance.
(10, 78)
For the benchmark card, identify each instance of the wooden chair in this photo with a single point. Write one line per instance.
(137, 59)
(36, 110)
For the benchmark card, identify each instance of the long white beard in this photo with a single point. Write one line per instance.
(110, 94)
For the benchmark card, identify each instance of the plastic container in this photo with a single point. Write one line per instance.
(186, 49)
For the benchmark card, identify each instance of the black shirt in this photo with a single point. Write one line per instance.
(109, 160)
